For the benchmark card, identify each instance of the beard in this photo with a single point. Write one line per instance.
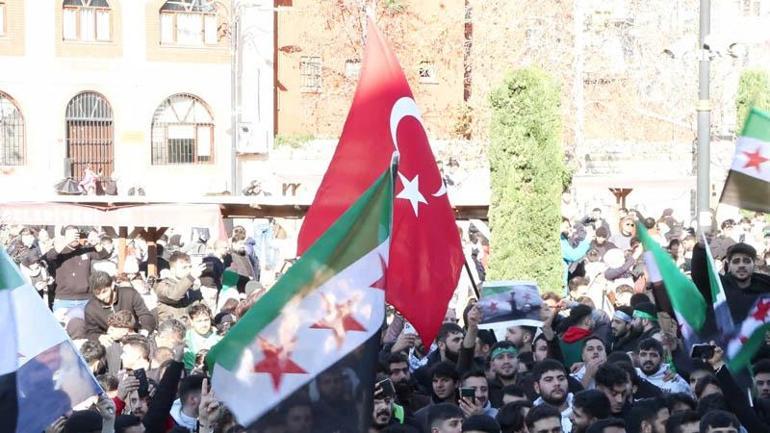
(554, 401)
(649, 368)
(380, 425)
(453, 356)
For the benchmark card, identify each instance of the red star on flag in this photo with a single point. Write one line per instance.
(276, 363)
(382, 282)
(755, 159)
(763, 307)
(339, 319)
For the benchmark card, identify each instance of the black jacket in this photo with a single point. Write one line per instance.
(161, 402)
(128, 299)
(73, 267)
(739, 300)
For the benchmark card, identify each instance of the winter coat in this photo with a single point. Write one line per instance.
(127, 299)
(73, 267)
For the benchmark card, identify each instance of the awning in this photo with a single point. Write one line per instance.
(124, 215)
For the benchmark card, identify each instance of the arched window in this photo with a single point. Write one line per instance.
(86, 21)
(89, 134)
(11, 132)
(191, 23)
(182, 131)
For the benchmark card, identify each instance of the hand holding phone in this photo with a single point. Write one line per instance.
(387, 388)
(144, 385)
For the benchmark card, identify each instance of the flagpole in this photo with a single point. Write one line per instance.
(473, 281)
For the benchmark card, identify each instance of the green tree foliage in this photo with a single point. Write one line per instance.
(528, 175)
(753, 91)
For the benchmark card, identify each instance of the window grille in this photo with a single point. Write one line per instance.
(89, 134)
(182, 131)
(310, 73)
(11, 132)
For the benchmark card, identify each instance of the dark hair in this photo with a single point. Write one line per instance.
(643, 410)
(541, 412)
(446, 329)
(630, 371)
(138, 342)
(190, 385)
(762, 366)
(593, 402)
(701, 365)
(473, 373)
(99, 280)
(711, 402)
(124, 422)
(442, 412)
(703, 382)
(651, 343)
(178, 256)
(575, 282)
(395, 358)
(551, 295)
(599, 426)
(609, 375)
(526, 358)
(718, 418)
(92, 351)
(675, 421)
(482, 423)
(511, 416)
(540, 368)
(680, 397)
(638, 298)
(514, 390)
(444, 369)
(618, 356)
(122, 319)
(487, 336)
(198, 309)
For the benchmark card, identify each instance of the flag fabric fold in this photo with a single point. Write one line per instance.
(688, 303)
(426, 254)
(751, 335)
(723, 317)
(326, 307)
(42, 375)
(748, 181)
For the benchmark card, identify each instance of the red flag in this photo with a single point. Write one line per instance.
(425, 254)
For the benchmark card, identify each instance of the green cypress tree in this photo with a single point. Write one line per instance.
(753, 91)
(528, 175)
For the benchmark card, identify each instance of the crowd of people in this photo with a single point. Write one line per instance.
(608, 357)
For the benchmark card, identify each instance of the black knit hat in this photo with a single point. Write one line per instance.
(741, 248)
(83, 421)
(483, 423)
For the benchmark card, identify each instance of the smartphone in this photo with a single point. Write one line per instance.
(409, 329)
(468, 393)
(387, 388)
(702, 351)
(144, 385)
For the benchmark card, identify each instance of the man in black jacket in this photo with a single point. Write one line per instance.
(106, 299)
(741, 284)
(72, 264)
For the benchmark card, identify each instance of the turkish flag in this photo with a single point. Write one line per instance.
(425, 253)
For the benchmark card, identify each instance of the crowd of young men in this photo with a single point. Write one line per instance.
(607, 362)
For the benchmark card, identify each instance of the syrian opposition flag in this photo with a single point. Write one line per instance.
(42, 375)
(426, 255)
(688, 303)
(323, 310)
(748, 181)
(724, 319)
(742, 347)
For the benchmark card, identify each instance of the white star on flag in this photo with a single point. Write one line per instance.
(412, 192)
